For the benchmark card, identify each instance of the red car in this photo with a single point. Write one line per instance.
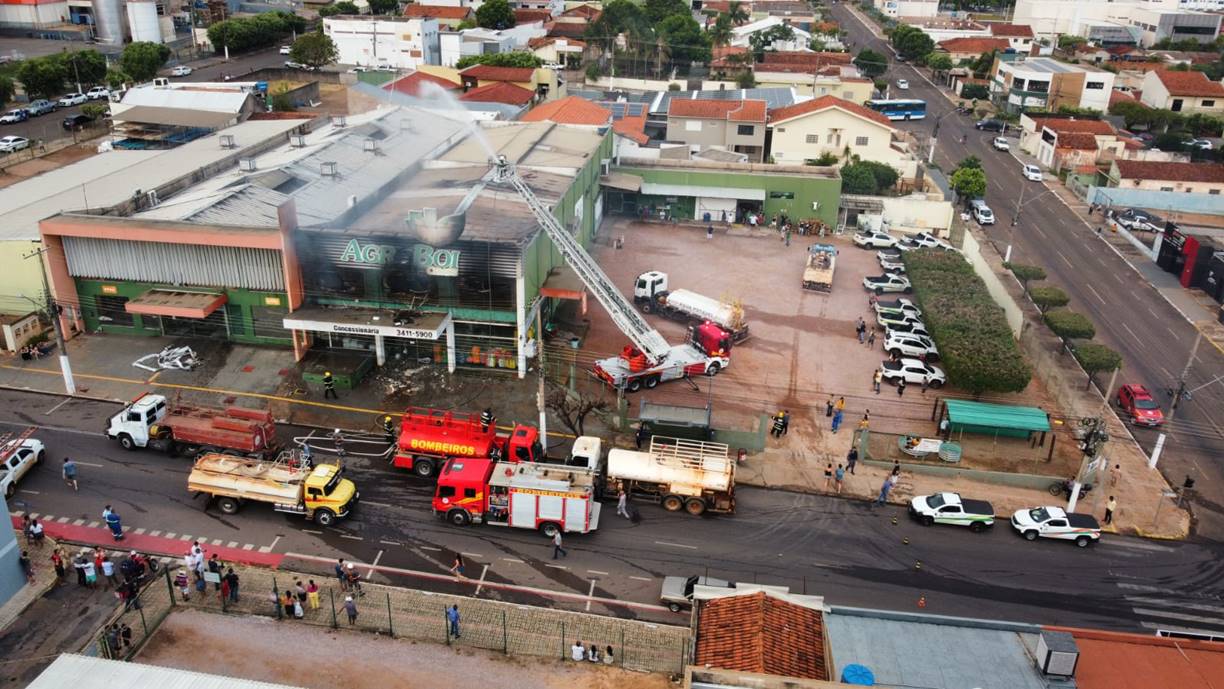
(1136, 401)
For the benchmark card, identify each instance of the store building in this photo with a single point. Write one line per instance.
(378, 236)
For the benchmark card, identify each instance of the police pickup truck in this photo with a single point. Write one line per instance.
(951, 508)
(1054, 522)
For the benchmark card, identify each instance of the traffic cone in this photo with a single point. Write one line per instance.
(894, 521)
(904, 541)
(922, 601)
(917, 564)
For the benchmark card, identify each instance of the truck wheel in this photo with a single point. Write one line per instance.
(714, 368)
(652, 382)
(126, 442)
(228, 505)
(648, 306)
(673, 503)
(674, 607)
(1083, 541)
(549, 529)
(459, 518)
(424, 468)
(928, 520)
(633, 385)
(325, 517)
(895, 352)
(10, 490)
(1030, 535)
(879, 291)
(695, 506)
(977, 527)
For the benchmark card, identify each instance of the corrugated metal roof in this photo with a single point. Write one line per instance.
(71, 671)
(179, 117)
(215, 100)
(737, 193)
(1002, 416)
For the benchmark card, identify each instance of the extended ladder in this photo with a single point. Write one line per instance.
(626, 317)
(9, 444)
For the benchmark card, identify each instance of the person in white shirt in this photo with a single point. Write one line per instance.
(593, 653)
(577, 651)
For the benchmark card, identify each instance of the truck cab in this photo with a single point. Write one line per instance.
(132, 426)
(649, 285)
(710, 339)
(327, 492)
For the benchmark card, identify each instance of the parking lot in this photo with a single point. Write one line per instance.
(803, 348)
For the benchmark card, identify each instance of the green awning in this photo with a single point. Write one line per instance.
(982, 417)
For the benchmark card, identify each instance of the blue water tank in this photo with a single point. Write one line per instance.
(858, 675)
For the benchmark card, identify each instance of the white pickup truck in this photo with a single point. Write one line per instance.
(17, 458)
(950, 508)
(1054, 522)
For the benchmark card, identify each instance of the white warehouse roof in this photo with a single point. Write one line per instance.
(71, 671)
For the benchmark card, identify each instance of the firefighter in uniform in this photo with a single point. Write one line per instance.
(329, 386)
(389, 430)
(779, 425)
(486, 419)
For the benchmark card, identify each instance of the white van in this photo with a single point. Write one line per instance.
(981, 212)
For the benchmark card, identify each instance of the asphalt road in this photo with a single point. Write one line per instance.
(842, 549)
(1130, 316)
(50, 126)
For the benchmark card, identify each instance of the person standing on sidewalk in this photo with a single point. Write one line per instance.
(113, 523)
(889, 482)
(231, 579)
(828, 484)
(837, 420)
(557, 545)
(69, 472)
(351, 608)
(57, 561)
(851, 459)
(900, 387)
(452, 620)
(1110, 506)
(829, 407)
(875, 380)
(778, 424)
(839, 478)
(340, 575)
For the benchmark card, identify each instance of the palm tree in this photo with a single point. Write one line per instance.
(720, 33)
(738, 13)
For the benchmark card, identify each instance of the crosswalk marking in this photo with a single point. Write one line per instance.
(1165, 614)
(1218, 609)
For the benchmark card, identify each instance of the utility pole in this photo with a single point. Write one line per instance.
(1180, 392)
(1093, 446)
(52, 311)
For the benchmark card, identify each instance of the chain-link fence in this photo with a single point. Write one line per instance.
(134, 620)
(492, 625)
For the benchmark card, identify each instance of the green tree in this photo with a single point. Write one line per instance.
(970, 162)
(969, 182)
(516, 58)
(826, 159)
(983, 63)
(1069, 325)
(915, 44)
(495, 14)
(1048, 297)
(314, 50)
(858, 180)
(384, 6)
(975, 91)
(720, 31)
(684, 38)
(764, 40)
(117, 78)
(871, 63)
(939, 63)
(745, 79)
(1066, 42)
(738, 12)
(658, 10)
(94, 111)
(142, 59)
(89, 66)
(1025, 273)
(468, 23)
(1097, 358)
(344, 7)
(885, 176)
(42, 77)
(6, 90)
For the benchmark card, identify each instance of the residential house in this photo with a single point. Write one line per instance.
(970, 47)
(1120, 21)
(1192, 178)
(573, 22)
(1019, 36)
(456, 45)
(503, 92)
(1062, 143)
(800, 61)
(628, 120)
(553, 6)
(531, 16)
(558, 50)
(733, 125)
(807, 131)
(1186, 57)
(1046, 83)
(541, 81)
(1187, 92)
(384, 41)
(414, 84)
(448, 17)
(908, 8)
(742, 35)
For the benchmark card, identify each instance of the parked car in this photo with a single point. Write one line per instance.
(76, 122)
(903, 345)
(891, 252)
(1134, 219)
(677, 593)
(911, 326)
(989, 125)
(11, 144)
(903, 84)
(922, 240)
(892, 265)
(15, 116)
(286, 49)
(913, 372)
(888, 282)
(1138, 403)
(874, 239)
(900, 306)
(18, 459)
(1032, 173)
(1199, 144)
(951, 508)
(1054, 522)
(1000, 144)
(42, 106)
(892, 319)
(71, 99)
(98, 93)
(180, 71)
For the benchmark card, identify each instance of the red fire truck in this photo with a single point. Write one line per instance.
(547, 497)
(429, 437)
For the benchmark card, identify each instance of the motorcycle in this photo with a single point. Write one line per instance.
(1063, 488)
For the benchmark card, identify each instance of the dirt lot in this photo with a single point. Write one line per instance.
(51, 161)
(803, 347)
(264, 649)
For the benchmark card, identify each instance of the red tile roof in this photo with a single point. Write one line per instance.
(411, 84)
(823, 103)
(1079, 141)
(1116, 96)
(491, 73)
(813, 60)
(632, 128)
(567, 29)
(499, 92)
(529, 16)
(1068, 124)
(721, 55)
(975, 45)
(1175, 172)
(1189, 84)
(437, 11)
(569, 110)
(1113, 660)
(731, 110)
(584, 11)
(1012, 30)
(541, 41)
(759, 633)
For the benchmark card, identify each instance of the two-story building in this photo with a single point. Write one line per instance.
(1187, 92)
(730, 125)
(804, 132)
(544, 82)
(384, 41)
(1018, 83)
(971, 47)
(1191, 178)
(1069, 142)
(1019, 37)
(448, 17)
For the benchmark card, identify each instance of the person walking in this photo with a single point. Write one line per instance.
(1110, 506)
(312, 595)
(556, 541)
(871, 339)
(113, 523)
(340, 575)
(900, 387)
(889, 482)
(875, 380)
(457, 567)
(27, 566)
(841, 404)
(829, 407)
(776, 431)
(837, 420)
(622, 504)
(337, 439)
(851, 459)
(828, 473)
(388, 430)
(452, 621)
(36, 533)
(861, 330)
(329, 386)
(351, 609)
(641, 436)
(839, 477)
(69, 472)
(865, 422)
(1115, 475)
(231, 579)
(785, 422)
(57, 561)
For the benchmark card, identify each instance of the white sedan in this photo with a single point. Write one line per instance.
(871, 239)
(9, 144)
(1000, 144)
(180, 71)
(903, 84)
(71, 99)
(285, 50)
(1033, 173)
